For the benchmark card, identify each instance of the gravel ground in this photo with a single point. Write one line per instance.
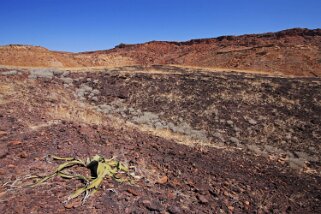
(233, 126)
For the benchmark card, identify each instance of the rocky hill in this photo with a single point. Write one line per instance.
(290, 52)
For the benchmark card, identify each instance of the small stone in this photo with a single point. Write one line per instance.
(152, 206)
(217, 134)
(73, 204)
(23, 155)
(69, 206)
(234, 140)
(65, 73)
(202, 199)
(252, 122)
(174, 210)
(229, 122)
(3, 133)
(133, 192)
(95, 99)
(67, 80)
(162, 180)
(15, 142)
(146, 202)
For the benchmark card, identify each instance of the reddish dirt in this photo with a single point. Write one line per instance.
(293, 52)
(47, 116)
(225, 181)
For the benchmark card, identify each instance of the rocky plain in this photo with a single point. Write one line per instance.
(218, 142)
(198, 139)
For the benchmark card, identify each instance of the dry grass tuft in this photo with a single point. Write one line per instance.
(6, 90)
(77, 113)
(177, 137)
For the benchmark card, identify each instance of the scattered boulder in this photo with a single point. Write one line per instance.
(229, 122)
(174, 210)
(162, 180)
(202, 199)
(234, 140)
(252, 122)
(152, 206)
(222, 121)
(95, 99)
(58, 72)
(65, 73)
(23, 154)
(15, 142)
(133, 191)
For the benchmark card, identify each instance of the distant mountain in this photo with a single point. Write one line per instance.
(290, 52)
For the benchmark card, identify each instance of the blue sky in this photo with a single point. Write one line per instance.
(79, 25)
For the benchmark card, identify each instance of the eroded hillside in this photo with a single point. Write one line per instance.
(294, 52)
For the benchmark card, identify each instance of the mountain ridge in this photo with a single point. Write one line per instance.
(294, 52)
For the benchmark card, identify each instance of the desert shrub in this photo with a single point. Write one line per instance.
(121, 45)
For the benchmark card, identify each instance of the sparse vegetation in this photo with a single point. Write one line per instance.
(100, 169)
(201, 140)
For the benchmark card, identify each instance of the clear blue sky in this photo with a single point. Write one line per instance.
(79, 25)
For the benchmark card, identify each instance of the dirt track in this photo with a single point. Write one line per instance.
(145, 119)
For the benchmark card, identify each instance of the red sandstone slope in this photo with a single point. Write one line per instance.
(295, 51)
(290, 52)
